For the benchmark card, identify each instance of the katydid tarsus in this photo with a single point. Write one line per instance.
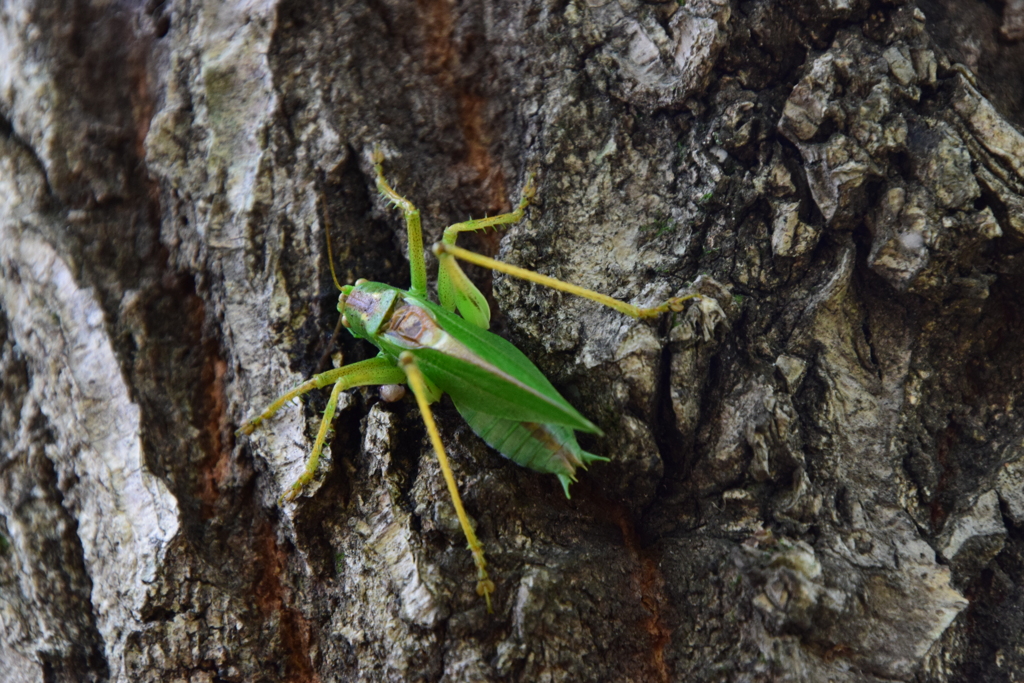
(503, 397)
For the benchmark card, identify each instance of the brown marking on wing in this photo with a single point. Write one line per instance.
(542, 434)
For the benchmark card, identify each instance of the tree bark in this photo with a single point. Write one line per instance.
(817, 470)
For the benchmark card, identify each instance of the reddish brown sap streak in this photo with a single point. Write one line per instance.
(414, 325)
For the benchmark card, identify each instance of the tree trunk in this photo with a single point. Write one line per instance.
(817, 469)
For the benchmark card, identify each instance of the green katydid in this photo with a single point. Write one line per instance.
(500, 393)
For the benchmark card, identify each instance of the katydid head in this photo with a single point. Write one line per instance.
(365, 306)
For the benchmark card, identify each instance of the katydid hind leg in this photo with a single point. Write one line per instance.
(454, 289)
(674, 304)
(416, 381)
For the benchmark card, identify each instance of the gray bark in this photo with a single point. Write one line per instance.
(817, 471)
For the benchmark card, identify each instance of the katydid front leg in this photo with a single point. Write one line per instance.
(417, 263)
(372, 372)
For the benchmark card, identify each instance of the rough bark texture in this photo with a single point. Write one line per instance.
(817, 474)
